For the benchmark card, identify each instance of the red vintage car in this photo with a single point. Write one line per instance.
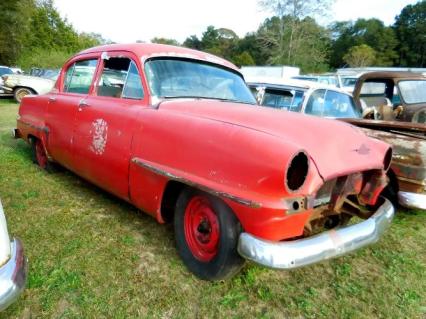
(177, 133)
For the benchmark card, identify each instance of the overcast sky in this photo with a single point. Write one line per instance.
(130, 20)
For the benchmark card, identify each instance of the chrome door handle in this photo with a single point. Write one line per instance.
(83, 103)
(52, 99)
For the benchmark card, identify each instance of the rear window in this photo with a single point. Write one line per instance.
(79, 76)
(413, 91)
(373, 88)
(290, 100)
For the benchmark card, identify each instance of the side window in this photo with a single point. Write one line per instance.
(120, 78)
(297, 101)
(133, 87)
(288, 99)
(339, 105)
(79, 76)
(315, 104)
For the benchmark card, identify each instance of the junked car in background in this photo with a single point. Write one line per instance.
(4, 70)
(13, 265)
(397, 96)
(177, 133)
(21, 85)
(326, 78)
(408, 169)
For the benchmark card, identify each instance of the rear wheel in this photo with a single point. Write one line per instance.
(19, 93)
(207, 232)
(39, 155)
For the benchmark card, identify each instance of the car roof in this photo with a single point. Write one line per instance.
(303, 84)
(151, 50)
(392, 75)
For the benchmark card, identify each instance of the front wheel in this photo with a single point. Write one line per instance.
(207, 233)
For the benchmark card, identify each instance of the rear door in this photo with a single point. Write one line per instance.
(106, 121)
(74, 85)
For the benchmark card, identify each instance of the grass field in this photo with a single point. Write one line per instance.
(94, 256)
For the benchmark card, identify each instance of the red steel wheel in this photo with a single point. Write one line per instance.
(207, 233)
(201, 228)
(39, 155)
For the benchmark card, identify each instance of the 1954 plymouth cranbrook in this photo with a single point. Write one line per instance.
(177, 133)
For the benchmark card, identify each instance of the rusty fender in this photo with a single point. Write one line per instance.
(408, 164)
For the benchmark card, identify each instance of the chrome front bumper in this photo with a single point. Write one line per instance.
(412, 200)
(329, 244)
(13, 275)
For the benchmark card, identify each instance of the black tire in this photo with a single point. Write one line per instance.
(19, 93)
(39, 156)
(224, 261)
(391, 190)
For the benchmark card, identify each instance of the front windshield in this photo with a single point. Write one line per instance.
(175, 78)
(413, 91)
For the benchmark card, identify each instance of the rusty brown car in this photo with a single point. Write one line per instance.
(399, 96)
(408, 169)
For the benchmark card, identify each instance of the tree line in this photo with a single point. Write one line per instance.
(32, 33)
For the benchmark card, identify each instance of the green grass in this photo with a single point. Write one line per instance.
(94, 256)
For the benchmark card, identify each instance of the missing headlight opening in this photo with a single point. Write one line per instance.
(297, 172)
(387, 160)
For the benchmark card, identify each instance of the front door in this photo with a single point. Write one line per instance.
(105, 123)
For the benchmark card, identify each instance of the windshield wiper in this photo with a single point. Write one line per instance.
(182, 97)
(230, 100)
(207, 98)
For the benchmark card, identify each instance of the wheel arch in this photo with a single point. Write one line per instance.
(24, 87)
(168, 201)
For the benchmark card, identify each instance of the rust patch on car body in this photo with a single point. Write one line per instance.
(186, 181)
(408, 141)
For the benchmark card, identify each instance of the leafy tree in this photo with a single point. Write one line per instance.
(43, 59)
(287, 34)
(165, 41)
(219, 41)
(14, 25)
(371, 32)
(360, 56)
(306, 46)
(243, 59)
(32, 31)
(410, 28)
(252, 44)
(192, 42)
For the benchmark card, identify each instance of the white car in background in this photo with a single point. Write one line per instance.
(13, 266)
(21, 85)
(4, 70)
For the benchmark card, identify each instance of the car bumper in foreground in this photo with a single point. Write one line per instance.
(329, 244)
(412, 200)
(13, 275)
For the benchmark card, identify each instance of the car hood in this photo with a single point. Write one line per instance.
(336, 148)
